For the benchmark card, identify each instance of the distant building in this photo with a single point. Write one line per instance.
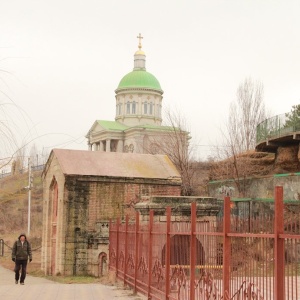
(82, 190)
(138, 120)
(6, 167)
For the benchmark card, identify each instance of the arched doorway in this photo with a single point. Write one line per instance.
(181, 251)
(102, 264)
(54, 213)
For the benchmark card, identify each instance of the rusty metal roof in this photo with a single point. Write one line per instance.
(115, 164)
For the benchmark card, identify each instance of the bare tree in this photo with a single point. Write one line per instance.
(173, 140)
(8, 142)
(245, 113)
(33, 155)
(12, 135)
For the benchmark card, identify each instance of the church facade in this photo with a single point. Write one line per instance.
(138, 120)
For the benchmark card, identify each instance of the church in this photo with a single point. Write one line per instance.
(83, 189)
(138, 119)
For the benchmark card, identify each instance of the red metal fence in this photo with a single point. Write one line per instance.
(231, 257)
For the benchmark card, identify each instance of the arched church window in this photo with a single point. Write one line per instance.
(133, 107)
(145, 107)
(131, 148)
(128, 108)
(159, 110)
(151, 108)
(154, 148)
(54, 198)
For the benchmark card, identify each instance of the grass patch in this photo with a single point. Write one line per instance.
(73, 279)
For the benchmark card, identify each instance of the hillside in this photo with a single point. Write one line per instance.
(14, 197)
(256, 164)
(14, 214)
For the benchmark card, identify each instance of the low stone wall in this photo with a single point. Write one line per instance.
(180, 206)
(257, 187)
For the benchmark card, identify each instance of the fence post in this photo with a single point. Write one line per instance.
(137, 230)
(126, 248)
(279, 244)
(150, 246)
(168, 252)
(1, 247)
(117, 247)
(226, 247)
(193, 251)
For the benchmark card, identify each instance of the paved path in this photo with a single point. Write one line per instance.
(36, 288)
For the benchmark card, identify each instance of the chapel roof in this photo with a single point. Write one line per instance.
(114, 164)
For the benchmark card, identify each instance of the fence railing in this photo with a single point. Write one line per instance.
(5, 174)
(277, 126)
(232, 257)
(21, 171)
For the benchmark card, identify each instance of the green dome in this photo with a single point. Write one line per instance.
(139, 79)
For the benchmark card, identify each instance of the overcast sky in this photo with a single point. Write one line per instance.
(65, 59)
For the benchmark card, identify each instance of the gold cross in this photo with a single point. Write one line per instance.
(140, 40)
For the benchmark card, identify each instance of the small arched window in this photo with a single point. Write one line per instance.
(131, 148)
(151, 109)
(133, 107)
(128, 108)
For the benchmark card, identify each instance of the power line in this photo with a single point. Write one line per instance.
(199, 145)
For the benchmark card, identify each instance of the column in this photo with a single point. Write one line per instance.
(107, 145)
(101, 146)
(120, 146)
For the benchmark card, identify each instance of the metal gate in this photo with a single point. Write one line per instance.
(235, 256)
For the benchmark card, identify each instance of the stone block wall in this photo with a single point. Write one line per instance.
(56, 176)
(117, 198)
(91, 201)
(76, 201)
(258, 187)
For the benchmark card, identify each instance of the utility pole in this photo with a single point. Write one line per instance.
(30, 181)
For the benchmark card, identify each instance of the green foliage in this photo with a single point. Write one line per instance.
(293, 118)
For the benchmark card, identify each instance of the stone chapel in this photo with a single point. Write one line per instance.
(82, 191)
